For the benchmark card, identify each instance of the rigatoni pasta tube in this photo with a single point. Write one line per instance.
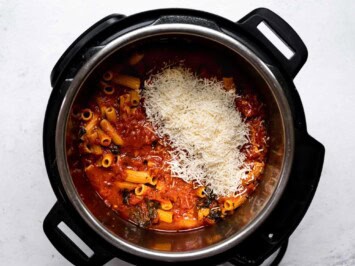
(228, 205)
(203, 213)
(107, 76)
(200, 192)
(96, 150)
(153, 181)
(135, 58)
(92, 123)
(101, 103)
(165, 216)
(257, 169)
(110, 113)
(92, 136)
(124, 101)
(107, 160)
(141, 190)
(233, 203)
(85, 147)
(127, 81)
(76, 112)
(125, 185)
(224, 212)
(86, 114)
(166, 205)
(134, 98)
(110, 130)
(228, 83)
(107, 88)
(187, 223)
(141, 177)
(105, 140)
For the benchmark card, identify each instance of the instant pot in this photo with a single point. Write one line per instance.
(295, 160)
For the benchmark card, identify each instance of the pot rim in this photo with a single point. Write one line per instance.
(153, 31)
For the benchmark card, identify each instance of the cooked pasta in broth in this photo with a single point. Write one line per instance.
(170, 138)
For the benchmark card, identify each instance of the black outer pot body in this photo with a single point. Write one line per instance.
(308, 154)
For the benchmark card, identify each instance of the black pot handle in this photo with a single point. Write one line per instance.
(66, 246)
(82, 43)
(250, 22)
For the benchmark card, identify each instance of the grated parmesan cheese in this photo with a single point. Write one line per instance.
(202, 126)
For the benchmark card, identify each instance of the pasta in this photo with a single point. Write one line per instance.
(201, 192)
(134, 98)
(165, 216)
(107, 160)
(141, 190)
(166, 205)
(107, 76)
(105, 140)
(86, 114)
(125, 185)
(228, 83)
(203, 212)
(92, 136)
(109, 129)
(126, 159)
(85, 147)
(124, 107)
(135, 58)
(233, 203)
(107, 88)
(141, 177)
(92, 123)
(110, 114)
(127, 81)
(96, 149)
(188, 223)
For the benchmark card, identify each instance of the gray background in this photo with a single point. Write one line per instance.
(33, 35)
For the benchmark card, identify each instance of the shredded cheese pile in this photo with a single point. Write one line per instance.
(203, 127)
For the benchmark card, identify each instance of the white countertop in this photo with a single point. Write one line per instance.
(34, 34)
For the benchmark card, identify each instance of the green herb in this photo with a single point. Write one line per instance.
(115, 149)
(206, 202)
(154, 144)
(215, 214)
(140, 217)
(82, 132)
(152, 209)
(125, 195)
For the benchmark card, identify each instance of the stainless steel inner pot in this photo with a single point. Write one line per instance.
(204, 242)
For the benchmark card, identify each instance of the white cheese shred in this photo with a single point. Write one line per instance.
(200, 121)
